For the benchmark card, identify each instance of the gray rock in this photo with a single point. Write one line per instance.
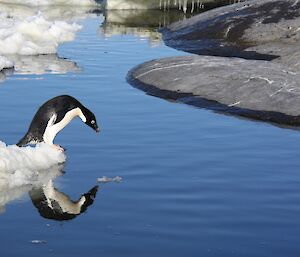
(257, 30)
(256, 89)
(233, 30)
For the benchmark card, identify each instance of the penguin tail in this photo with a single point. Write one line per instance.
(24, 141)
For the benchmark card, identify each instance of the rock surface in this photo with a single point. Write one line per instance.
(236, 30)
(264, 84)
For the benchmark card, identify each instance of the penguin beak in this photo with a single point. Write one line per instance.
(96, 128)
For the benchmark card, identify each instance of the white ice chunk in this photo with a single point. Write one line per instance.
(105, 179)
(38, 241)
(34, 35)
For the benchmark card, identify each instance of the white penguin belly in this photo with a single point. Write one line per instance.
(52, 129)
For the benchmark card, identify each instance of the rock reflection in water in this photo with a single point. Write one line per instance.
(141, 23)
(182, 5)
(145, 22)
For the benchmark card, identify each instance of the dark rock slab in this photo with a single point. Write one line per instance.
(234, 30)
(255, 89)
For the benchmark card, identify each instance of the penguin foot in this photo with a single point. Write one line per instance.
(59, 148)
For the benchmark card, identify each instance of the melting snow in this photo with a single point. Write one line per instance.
(51, 2)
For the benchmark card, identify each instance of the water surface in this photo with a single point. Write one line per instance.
(195, 183)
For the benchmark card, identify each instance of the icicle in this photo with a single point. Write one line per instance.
(193, 3)
(184, 6)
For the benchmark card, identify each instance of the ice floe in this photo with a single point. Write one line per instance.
(34, 35)
(30, 37)
(21, 165)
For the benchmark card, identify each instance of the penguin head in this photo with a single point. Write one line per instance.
(90, 119)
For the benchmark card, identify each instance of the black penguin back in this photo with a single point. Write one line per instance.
(58, 106)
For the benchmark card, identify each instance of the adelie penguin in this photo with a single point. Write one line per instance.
(53, 116)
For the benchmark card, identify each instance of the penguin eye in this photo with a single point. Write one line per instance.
(92, 122)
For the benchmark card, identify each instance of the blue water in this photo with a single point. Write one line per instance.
(194, 182)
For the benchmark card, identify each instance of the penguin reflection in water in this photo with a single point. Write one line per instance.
(53, 204)
(53, 116)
